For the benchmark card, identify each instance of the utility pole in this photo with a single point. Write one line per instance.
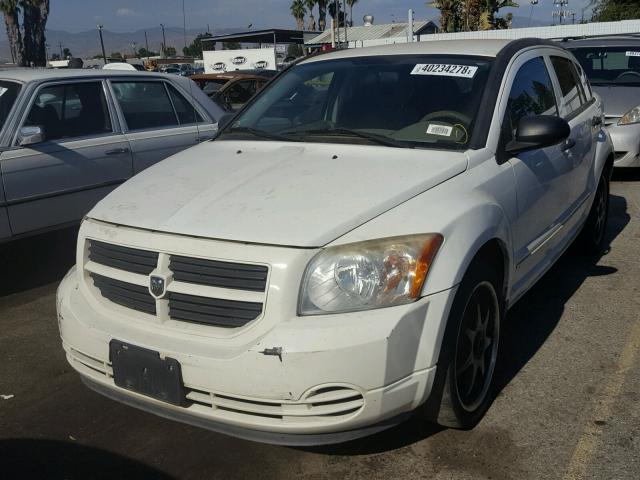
(133, 46)
(104, 55)
(164, 42)
(146, 42)
(60, 45)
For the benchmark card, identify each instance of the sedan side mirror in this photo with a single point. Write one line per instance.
(31, 135)
(538, 132)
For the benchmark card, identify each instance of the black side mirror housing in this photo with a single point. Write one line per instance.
(538, 132)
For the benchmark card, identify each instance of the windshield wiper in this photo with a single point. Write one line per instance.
(261, 134)
(379, 139)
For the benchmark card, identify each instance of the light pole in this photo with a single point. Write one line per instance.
(104, 55)
(133, 45)
(60, 45)
(146, 42)
(533, 3)
(164, 42)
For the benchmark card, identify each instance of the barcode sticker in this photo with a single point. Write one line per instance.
(633, 54)
(446, 70)
(441, 130)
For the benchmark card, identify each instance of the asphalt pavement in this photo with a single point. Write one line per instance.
(568, 407)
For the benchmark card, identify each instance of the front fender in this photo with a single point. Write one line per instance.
(604, 150)
(468, 210)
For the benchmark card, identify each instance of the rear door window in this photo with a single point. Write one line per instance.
(145, 105)
(187, 114)
(573, 94)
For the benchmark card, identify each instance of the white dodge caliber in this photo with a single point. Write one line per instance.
(343, 254)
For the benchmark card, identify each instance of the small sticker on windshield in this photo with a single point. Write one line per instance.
(446, 70)
(633, 54)
(441, 130)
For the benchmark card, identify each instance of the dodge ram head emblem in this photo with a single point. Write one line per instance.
(157, 287)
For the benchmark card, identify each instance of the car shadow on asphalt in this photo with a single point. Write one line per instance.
(53, 460)
(36, 261)
(528, 325)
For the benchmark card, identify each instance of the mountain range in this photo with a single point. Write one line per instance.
(87, 44)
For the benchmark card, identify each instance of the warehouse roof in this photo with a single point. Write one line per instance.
(373, 32)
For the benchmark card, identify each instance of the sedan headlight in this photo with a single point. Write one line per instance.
(367, 275)
(632, 116)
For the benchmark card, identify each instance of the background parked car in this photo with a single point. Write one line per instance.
(232, 90)
(613, 67)
(69, 137)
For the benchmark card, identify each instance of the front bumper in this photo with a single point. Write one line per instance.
(339, 376)
(626, 143)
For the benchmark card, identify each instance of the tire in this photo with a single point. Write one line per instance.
(592, 237)
(465, 376)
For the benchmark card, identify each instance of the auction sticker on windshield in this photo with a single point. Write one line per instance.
(633, 54)
(442, 130)
(446, 70)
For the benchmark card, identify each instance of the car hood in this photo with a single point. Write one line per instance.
(277, 193)
(618, 99)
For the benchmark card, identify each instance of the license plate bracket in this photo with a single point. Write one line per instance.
(143, 371)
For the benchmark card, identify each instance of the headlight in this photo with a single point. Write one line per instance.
(366, 275)
(632, 116)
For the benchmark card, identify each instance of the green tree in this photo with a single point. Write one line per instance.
(115, 56)
(195, 49)
(310, 5)
(11, 11)
(451, 14)
(298, 11)
(231, 46)
(322, 14)
(66, 53)
(56, 56)
(170, 51)
(35, 16)
(615, 10)
(143, 53)
(465, 15)
(351, 3)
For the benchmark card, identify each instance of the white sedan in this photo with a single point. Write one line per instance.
(344, 253)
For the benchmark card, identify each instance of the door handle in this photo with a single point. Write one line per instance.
(568, 144)
(595, 121)
(117, 151)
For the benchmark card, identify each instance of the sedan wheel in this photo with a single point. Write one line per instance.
(477, 347)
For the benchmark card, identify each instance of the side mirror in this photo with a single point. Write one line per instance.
(538, 132)
(31, 135)
(224, 120)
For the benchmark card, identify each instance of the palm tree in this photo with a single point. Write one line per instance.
(322, 14)
(310, 4)
(298, 11)
(36, 13)
(11, 12)
(451, 14)
(351, 3)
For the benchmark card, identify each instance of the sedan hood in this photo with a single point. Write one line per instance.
(618, 99)
(275, 193)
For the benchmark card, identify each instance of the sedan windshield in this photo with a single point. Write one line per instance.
(610, 65)
(400, 101)
(8, 94)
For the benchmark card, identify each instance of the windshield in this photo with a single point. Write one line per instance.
(610, 65)
(401, 101)
(8, 94)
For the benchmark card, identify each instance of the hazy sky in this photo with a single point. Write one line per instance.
(128, 15)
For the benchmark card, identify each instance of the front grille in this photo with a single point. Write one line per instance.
(212, 311)
(219, 274)
(126, 294)
(213, 293)
(123, 258)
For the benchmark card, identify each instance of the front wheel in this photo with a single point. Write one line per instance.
(592, 237)
(470, 349)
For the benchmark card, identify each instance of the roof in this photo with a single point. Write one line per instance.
(264, 36)
(35, 74)
(372, 32)
(225, 76)
(611, 41)
(483, 48)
